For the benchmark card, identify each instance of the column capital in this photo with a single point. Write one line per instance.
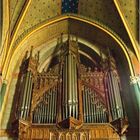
(134, 79)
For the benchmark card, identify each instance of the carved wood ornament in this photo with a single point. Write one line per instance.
(70, 101)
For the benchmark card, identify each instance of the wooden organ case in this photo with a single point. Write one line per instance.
(69, 101)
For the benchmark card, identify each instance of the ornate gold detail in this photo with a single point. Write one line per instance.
(120, 125)
(83, 102)
(70, 123)
(37, 95)
(94, 80)
(42, 83)
(96, 131)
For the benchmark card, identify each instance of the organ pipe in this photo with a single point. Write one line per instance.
(113, 88)
(93, 108)
(66, 99)
(30, 94)
(80, 111)
(84, 107)
(27, 91)
(59, 108)
(25, 80)
(45, 112)
(70, 97)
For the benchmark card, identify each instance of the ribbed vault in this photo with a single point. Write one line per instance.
(93, 32)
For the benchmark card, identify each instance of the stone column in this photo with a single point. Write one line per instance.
(135, 84)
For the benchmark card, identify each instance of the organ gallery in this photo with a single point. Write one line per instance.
(69, 70)
(69, 99)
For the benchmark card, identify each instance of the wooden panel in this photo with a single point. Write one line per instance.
(51, 132)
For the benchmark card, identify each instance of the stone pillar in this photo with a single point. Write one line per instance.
(135, 84)
(133, 115)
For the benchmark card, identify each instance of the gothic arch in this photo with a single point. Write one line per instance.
(29, 38)
(22, 40)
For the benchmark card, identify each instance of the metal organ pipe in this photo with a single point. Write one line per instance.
(25, 80)
(90, 104)
(59, 99)
(27, 97)
(66, 89)
(30, 94)
(94, 111)
(84, 108)
(111, 97)
(52, 103)
(63, 91)
(64, 103)
(88, 100)
(49, 106)
(120, 109)
(73, 87)
(42, 112)
(69, 85)
(55, 99)
(45, 111)
(69, 88)
(117, 96)
(27, 91)
(52, 110)
(86, 104)
(94, 103)
(97, 111)
(76, 89)
(114, 95)
(70, 101)
(92, 108)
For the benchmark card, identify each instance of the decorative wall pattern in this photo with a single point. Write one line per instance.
(131, 13)
(40, 10)
(104, 12)
(70, 6)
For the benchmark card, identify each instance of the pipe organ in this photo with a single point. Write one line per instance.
(26, 89)
(69, 100)
(113, 87)
(70, 82)
(94, 110)
(45, 111)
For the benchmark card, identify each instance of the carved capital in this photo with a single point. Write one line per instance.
(70, 123)
(134, 79)
(120, 125)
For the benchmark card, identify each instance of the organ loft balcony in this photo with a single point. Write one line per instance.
(69, 99)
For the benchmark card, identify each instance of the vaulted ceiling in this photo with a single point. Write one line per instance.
(119, 17)
(103, 11)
